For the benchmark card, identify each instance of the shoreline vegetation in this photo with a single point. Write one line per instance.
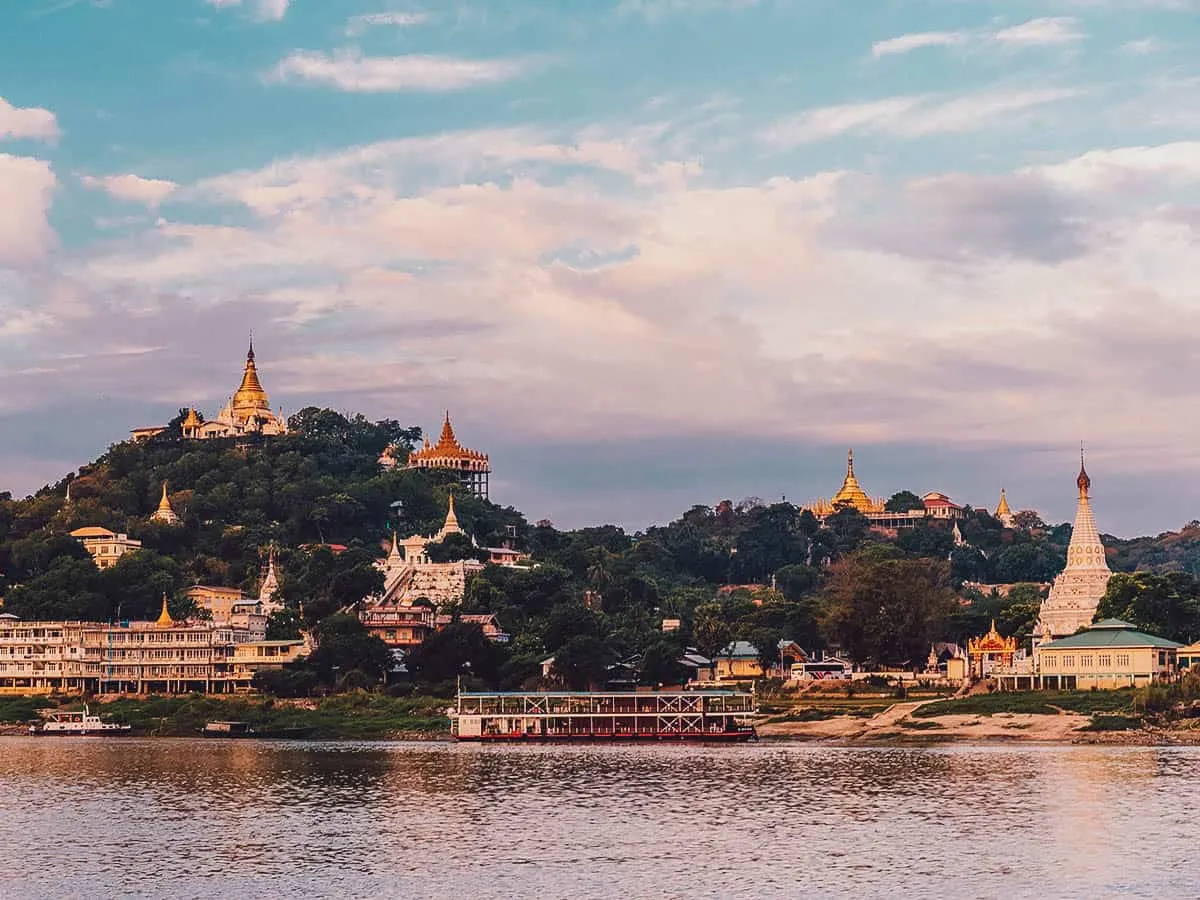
(356, 715)
(1068, 717)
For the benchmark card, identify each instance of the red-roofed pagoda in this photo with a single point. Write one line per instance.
(472, 466)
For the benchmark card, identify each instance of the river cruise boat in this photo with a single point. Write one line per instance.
(77, 722)
(604, 716)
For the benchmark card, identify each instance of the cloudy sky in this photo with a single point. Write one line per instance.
(650, 253)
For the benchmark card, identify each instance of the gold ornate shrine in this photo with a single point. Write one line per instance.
(989, 651)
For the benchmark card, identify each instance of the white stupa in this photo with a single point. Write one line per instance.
(1077, 590)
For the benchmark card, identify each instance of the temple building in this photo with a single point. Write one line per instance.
(989, 652)
(934, 505)
(414, 587)
(1003, 512)
(1077, 590)
(471, 466)
(165, 514)
(247, 412)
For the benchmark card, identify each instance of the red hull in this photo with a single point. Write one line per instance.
(648, 738)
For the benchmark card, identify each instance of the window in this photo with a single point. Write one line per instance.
(1068, 662)
(1085, 662)
(1123, 659)
(1105, 660)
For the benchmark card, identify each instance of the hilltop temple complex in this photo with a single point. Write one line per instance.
(471, 466)
(851, 495)
(248, 411)
(1078, 589)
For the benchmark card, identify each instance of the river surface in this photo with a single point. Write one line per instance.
(164, 818)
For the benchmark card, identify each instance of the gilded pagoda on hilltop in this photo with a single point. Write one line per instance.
(851, 495)
(247, 412)
(471, 466)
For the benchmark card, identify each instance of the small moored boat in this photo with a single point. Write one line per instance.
(243, 730)
(77, 722)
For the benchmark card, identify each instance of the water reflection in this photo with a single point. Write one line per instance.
(194, 818)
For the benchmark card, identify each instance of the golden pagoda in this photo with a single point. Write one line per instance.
(250, 396)
(448, 454)
(850, 494)
(247, 412)
(164, 618)
(1003, 512)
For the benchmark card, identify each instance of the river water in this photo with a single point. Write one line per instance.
(192, 818)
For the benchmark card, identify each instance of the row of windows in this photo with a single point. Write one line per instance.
(1103, 660)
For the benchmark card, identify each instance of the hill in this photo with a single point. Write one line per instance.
(749, 571)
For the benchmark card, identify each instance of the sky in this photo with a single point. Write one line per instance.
(649, 253)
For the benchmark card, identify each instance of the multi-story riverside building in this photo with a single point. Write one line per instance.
(163, 656)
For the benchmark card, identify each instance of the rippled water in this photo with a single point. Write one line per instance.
(173, 819)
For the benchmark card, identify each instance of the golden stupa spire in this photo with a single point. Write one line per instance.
(1083, 482)
(164, 618)
(164, 505)
(250, 395)
(851, 492)
(447, 437)
(1003, 508)
(451, 518)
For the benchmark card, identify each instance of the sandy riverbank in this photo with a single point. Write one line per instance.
(897, 725)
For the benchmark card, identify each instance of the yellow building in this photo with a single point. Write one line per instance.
(1188, 657)
(1109, 654)
(106, 547)
(256, 656)
(163, 656)
(738, 661)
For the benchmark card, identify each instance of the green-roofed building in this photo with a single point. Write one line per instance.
(1109, 654)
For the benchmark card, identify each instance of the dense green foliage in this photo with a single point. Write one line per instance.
(1166, 605)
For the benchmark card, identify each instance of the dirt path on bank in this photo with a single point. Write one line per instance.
(896, 723)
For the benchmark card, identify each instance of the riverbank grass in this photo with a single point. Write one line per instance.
(354, 716)
(1047, 703)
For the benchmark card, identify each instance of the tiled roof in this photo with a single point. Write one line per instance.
(1110, 633)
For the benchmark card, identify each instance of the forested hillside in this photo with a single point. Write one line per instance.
(749, 570)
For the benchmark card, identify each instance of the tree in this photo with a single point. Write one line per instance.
(886, 610)
(1028, 520)
(458, 649)
(796, 581)
(710, 630)
(903, 501)
(1166, 605)
(1029, 561)
(325, 582)
(452, 548)
(582, 663)
(283, 625)
(344, 645)
(660, 665)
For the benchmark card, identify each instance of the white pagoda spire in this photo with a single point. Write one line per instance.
(270, 585)
(1077, 590)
